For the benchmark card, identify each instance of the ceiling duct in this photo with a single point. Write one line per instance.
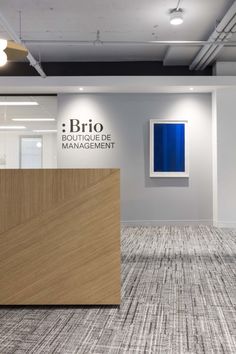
(70, 43)
(222, 33)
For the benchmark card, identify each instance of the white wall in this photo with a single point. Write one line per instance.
(10, 144)
(126, 117)
(225, 169)
(214, 159)
(224, 68)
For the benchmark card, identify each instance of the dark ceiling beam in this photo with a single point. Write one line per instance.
(125, 68)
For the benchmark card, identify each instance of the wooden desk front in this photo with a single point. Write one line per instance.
(60, 236)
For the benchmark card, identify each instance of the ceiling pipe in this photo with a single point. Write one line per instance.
(38, 42)
(218, 39)
(215, 50)
(208, 56)
(14, 36)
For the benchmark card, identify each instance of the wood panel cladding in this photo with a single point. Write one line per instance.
(60, 236)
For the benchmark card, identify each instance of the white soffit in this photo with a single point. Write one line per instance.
(113, 84)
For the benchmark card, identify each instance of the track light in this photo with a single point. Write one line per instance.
(176, 17)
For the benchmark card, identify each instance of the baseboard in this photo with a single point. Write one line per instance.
(165, 222)
(225, 224)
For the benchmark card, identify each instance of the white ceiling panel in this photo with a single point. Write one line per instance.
(99, 52)
(180, 55)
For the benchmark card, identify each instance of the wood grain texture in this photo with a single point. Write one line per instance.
(15, 51)
(59, 236)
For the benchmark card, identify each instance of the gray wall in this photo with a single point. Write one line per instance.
(126, 117)
(225, 168)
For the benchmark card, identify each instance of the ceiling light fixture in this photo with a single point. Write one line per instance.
(176, 16)
(33, 119)
(3, 56)
(20, 103)
(191, 88)
(45, 131)
(3, 44)
(81, 89)
(39, 144)
(11, 127)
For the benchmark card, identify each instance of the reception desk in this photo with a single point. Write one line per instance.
(60, 237)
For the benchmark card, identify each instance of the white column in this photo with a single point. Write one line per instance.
(224, 158)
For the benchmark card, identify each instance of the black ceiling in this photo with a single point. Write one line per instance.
(136, 68)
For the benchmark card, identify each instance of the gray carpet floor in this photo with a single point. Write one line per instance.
(178, 296)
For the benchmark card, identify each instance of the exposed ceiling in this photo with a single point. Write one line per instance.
(117, 20)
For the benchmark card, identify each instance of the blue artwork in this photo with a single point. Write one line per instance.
(168, 149)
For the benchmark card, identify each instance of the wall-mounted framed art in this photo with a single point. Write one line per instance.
(169, 148)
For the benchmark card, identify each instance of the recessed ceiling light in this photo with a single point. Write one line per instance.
(176, 17)
(20, 103)
(33, 119)
(11, 127)
(81, 89)
(191, 88)
(45, 131)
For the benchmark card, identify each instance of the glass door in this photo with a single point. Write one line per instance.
(31, 148)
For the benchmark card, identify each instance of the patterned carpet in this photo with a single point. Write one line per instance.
(178, 296)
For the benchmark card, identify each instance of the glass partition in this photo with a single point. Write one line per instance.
(28, 131)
